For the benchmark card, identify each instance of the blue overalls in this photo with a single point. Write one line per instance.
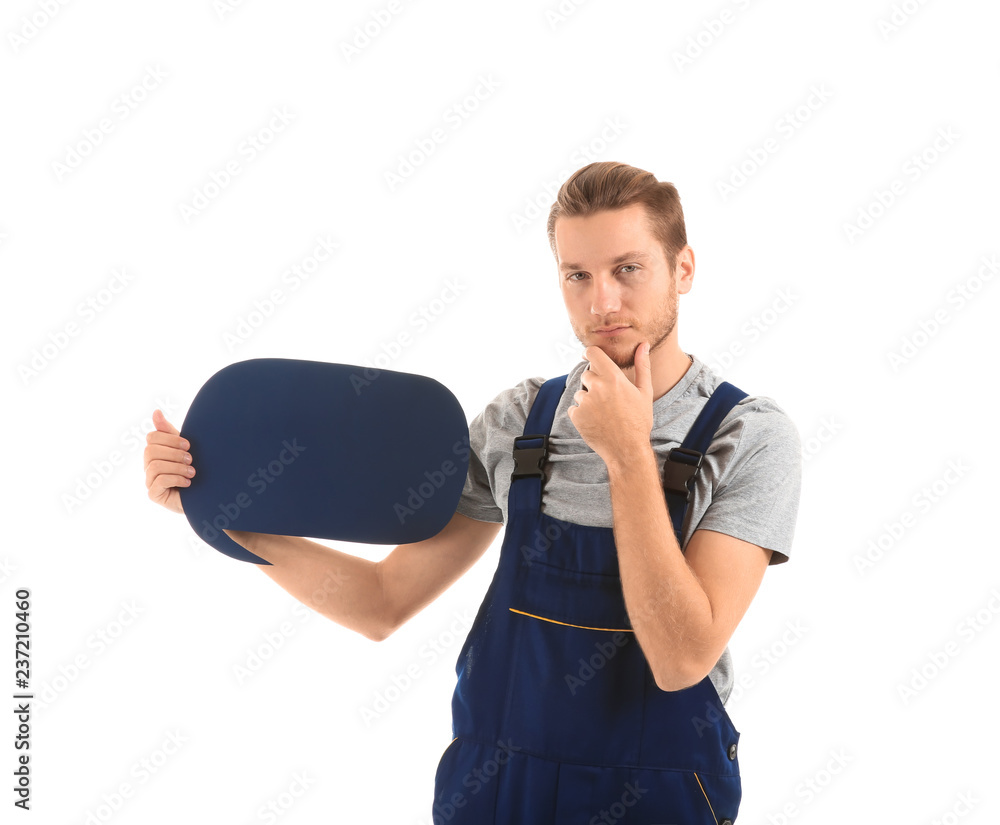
(556, 716)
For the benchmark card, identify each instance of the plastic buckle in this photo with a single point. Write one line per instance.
(528, 460)
(681, 466)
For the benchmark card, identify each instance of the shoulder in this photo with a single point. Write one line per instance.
(755, 423)
(762, 422)
(509, 408)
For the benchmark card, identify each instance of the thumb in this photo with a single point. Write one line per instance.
(643, 370)
(161, 423)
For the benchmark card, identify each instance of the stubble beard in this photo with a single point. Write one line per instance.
(659, 329)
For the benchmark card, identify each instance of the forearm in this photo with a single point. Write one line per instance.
(344, 588)
(667, 606)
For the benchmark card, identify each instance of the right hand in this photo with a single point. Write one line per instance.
(167, 462)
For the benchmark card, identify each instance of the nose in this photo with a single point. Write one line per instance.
(606, 298)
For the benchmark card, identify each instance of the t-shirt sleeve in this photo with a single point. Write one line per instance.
(758, 499)
(477, 500)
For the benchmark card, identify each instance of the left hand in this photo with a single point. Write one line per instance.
(614, 416)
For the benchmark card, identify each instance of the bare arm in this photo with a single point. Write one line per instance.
(371, 598)
(684, 606)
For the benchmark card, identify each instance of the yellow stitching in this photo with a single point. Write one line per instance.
(706, 795)
(566, 624)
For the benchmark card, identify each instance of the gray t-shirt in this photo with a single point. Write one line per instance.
(747, 487)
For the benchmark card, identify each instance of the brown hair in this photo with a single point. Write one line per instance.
(612, 185)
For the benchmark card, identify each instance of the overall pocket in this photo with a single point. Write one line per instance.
(722, 795)
(571, 597)
(578, 677)
(596, 794)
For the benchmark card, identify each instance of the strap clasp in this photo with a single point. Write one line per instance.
(681, 466)
(528, 461)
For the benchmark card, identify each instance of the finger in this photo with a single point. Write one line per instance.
(598, 359)
(164, 484)
(168, 468)
(160, 451)
(168, 453)
(161, 423)
(167, 440)
(643, 368)
(159, 467)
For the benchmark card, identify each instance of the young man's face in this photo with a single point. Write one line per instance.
(637, 292)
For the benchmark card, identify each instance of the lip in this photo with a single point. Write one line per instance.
(608, 331)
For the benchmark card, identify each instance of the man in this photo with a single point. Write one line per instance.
(592, 682)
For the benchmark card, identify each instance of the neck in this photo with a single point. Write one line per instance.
(668, 365)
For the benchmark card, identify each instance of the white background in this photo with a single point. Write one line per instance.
(876, 431)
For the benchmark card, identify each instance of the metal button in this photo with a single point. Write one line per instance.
(732, 751)
(726, 822)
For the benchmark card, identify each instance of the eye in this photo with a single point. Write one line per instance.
(631, 267)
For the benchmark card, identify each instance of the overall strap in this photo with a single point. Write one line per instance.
(531, 448)
(683, 462)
